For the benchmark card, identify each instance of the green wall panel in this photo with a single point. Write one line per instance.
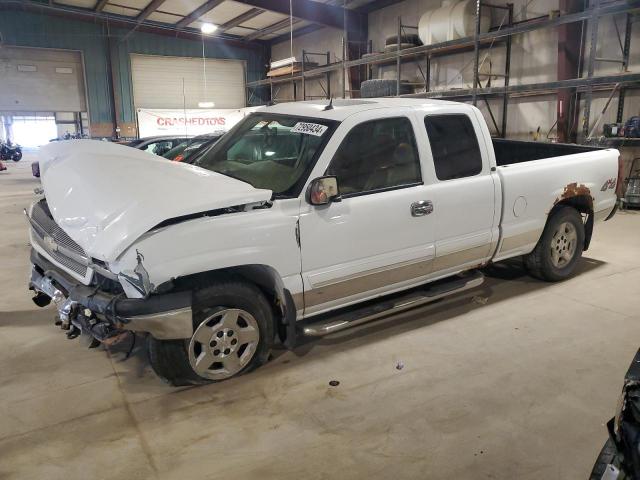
(30, 29)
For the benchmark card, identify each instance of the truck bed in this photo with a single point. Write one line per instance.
(515, 151)
(532, 186)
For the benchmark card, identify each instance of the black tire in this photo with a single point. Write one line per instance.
(17, 157)
(170, 358)
(539, 262)
(608, 455)
(411, 38)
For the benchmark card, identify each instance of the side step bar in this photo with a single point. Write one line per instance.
(429, 293)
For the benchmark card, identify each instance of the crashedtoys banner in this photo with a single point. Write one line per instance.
(187, 122)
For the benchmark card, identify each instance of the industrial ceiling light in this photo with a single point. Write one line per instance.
(208, 28)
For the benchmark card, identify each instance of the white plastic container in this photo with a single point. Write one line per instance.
(453, 20)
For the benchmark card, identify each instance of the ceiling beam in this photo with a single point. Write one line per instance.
(376, 5)
(322, 13)
(270, 29)
(296, 33)
(143, 15)
(314, 26)
(246, 16)
(198, 12)
(100, 5)
(120, 21)
(149, 9)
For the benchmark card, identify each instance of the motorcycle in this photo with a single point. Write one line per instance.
(10, 151)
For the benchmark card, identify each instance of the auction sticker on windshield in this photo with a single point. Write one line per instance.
(309, 128)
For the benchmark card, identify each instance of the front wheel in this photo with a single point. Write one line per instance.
(560, 247)
(17, 157)
(233, 334)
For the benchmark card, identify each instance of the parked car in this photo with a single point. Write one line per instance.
(183, 151)
(303, 220)
(159, 145)
(619, 458)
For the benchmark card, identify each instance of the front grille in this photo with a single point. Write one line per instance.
(41, 216)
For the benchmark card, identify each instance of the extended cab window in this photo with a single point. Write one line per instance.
(454, 146)
(377, 155)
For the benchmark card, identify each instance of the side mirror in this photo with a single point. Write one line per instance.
(323, 190)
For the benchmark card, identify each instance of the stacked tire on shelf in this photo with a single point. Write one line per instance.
(388, 87)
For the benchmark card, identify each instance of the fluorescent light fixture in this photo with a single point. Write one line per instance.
(206, 104)
(208, 28)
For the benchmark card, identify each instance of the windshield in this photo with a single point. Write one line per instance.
(269, 151)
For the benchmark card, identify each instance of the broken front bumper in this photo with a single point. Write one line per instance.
(166, 317)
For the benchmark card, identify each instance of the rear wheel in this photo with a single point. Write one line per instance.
(560, 247)
(233, 334)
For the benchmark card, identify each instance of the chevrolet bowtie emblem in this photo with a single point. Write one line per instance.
(50, 243)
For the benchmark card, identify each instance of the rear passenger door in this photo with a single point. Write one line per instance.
(463, 192)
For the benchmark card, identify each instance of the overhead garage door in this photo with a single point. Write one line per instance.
(159, 82)
(41, 80)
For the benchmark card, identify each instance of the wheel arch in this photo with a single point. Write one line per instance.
(584, 205)
(265, 277)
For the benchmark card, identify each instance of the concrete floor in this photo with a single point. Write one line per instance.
(517, 387)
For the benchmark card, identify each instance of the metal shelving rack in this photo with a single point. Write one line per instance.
(305, 74)
(584, 85)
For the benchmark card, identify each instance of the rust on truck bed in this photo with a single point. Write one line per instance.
(574, 190)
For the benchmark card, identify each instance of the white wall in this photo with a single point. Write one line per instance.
(534, 57)
(320, 41)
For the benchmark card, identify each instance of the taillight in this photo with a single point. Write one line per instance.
(179, 158)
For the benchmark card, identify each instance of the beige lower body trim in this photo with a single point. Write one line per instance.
(382, 277)
(371, 280)
(298, 301)
(520, 240)
(602, 214)
(461, 257)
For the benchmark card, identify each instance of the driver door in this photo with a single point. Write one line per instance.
(379, 237)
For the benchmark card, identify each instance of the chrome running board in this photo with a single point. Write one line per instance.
(427, 294)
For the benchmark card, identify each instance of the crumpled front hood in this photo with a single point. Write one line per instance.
(105, 196)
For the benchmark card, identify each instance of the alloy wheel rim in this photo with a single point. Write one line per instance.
(224, 343)
(563, 244)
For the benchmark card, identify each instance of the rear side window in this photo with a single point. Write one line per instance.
(376, 156)
(454, 146)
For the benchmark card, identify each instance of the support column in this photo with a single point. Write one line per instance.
(569, 54)
(591, 60)
(116, 113)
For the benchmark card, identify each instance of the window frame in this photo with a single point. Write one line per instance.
(383, 189)
(476, 136)
(298, 188)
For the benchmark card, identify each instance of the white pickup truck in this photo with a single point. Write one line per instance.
(305, 219)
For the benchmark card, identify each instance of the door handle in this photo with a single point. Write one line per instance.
(421, 208)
